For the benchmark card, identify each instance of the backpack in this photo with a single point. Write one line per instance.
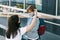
(42, 27)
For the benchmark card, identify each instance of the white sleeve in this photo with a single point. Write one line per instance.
(23, 30)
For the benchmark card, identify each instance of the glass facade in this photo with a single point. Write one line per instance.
(38, 5)
(44, 6)
(49, 6)
(17, 3)
(58, 7)
(53, 28)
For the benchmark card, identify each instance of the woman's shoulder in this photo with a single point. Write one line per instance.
(23, 27)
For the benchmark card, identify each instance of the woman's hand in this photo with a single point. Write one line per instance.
(35, 12)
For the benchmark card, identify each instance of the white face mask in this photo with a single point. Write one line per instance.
(31, 14)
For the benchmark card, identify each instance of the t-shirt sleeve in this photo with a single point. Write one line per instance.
(23, 30)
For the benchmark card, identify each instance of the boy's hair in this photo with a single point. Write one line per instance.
(31, 8)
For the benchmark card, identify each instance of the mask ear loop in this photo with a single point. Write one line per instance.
(20, 24)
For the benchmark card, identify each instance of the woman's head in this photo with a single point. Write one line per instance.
(13, 21)
(30, 9)
(13, 25)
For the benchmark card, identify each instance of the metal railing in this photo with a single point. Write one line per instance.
(41, 15)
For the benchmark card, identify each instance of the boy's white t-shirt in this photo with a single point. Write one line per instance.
(33, 34)
(19, 35)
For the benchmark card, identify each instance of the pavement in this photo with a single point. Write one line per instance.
(46, 36)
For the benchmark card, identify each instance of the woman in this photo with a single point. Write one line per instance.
(14, 32)
(33, 34)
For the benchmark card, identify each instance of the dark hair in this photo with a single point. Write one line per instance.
(31, 8)
(13, 26)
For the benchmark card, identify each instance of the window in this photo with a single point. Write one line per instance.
(38, 5)
(0, 1)
(49, 7)
(58, 7)
(16, 3)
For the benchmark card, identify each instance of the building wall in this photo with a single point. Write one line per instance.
(59, 7)
(49, 6)
(53, 28)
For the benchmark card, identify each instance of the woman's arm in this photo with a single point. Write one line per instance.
(45, 16)
(33, 22)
